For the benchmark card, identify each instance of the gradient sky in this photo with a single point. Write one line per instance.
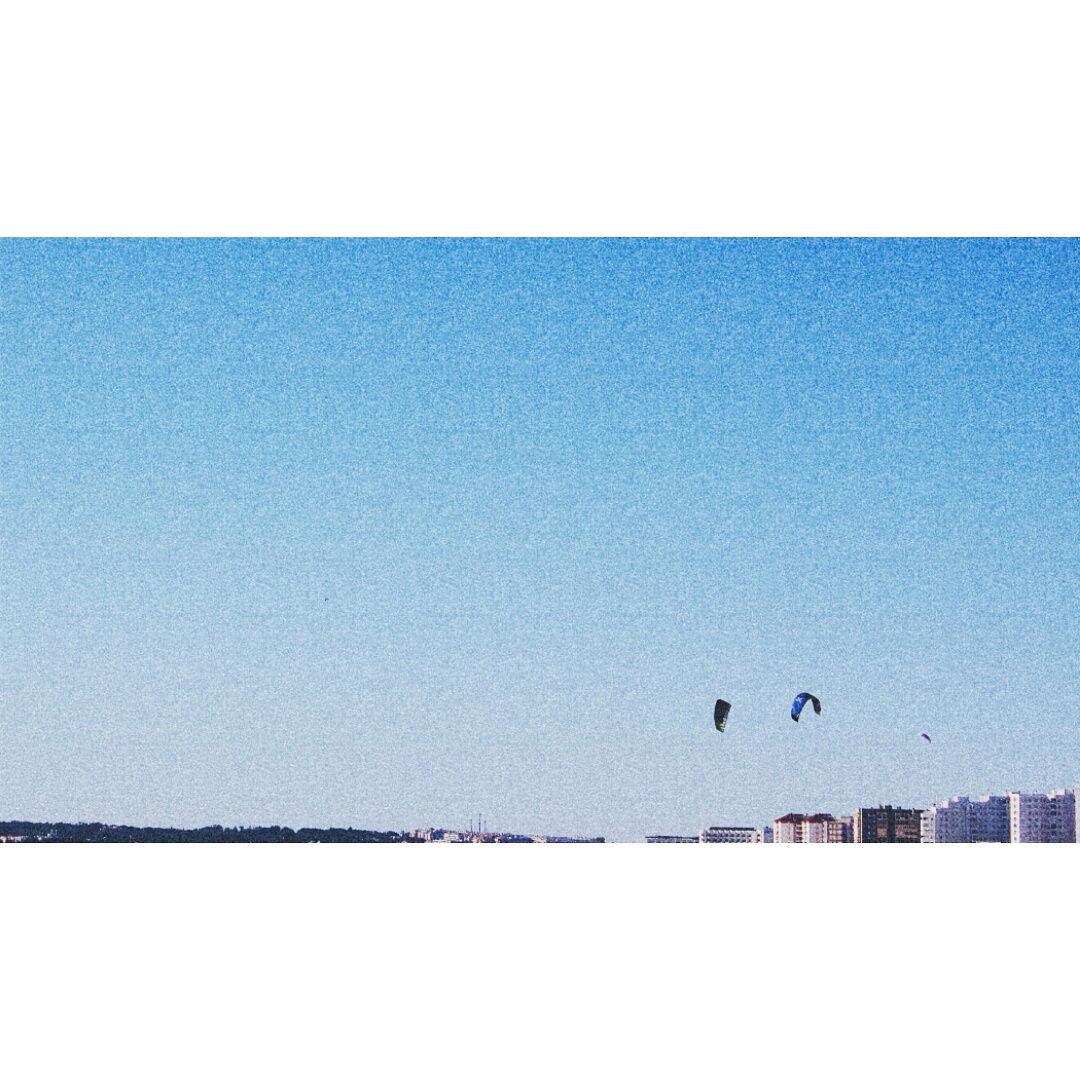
(394, 533)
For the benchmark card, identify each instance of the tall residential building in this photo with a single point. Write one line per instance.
(967, 821)
(812, 829)
(787, 829)
(887, 825)
(1042, 819)
(730, 834)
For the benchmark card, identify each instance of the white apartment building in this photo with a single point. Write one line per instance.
(1042, 819)
(967, 821)
(812, 829)
(788, 829)
(730, 834)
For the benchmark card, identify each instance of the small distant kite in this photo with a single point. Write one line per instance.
(800, 701)
(927, 737)
(720, 714)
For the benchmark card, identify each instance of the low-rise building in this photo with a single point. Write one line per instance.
(567, 839)
(671, 840)
(730, 834)
(456, 836)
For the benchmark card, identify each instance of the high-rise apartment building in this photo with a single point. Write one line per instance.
(812, 829)
(788, 829)
(1042, 819)
(887, 825)
(967, 821)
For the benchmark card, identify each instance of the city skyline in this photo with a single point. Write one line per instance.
(1009, 817)
(374, 533)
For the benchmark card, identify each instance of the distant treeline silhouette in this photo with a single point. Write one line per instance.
(36, 832)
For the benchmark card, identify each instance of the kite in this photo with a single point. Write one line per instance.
(927, 737)
(800, 701)
(720, 714)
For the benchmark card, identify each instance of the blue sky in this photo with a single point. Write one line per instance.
(393, 533)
